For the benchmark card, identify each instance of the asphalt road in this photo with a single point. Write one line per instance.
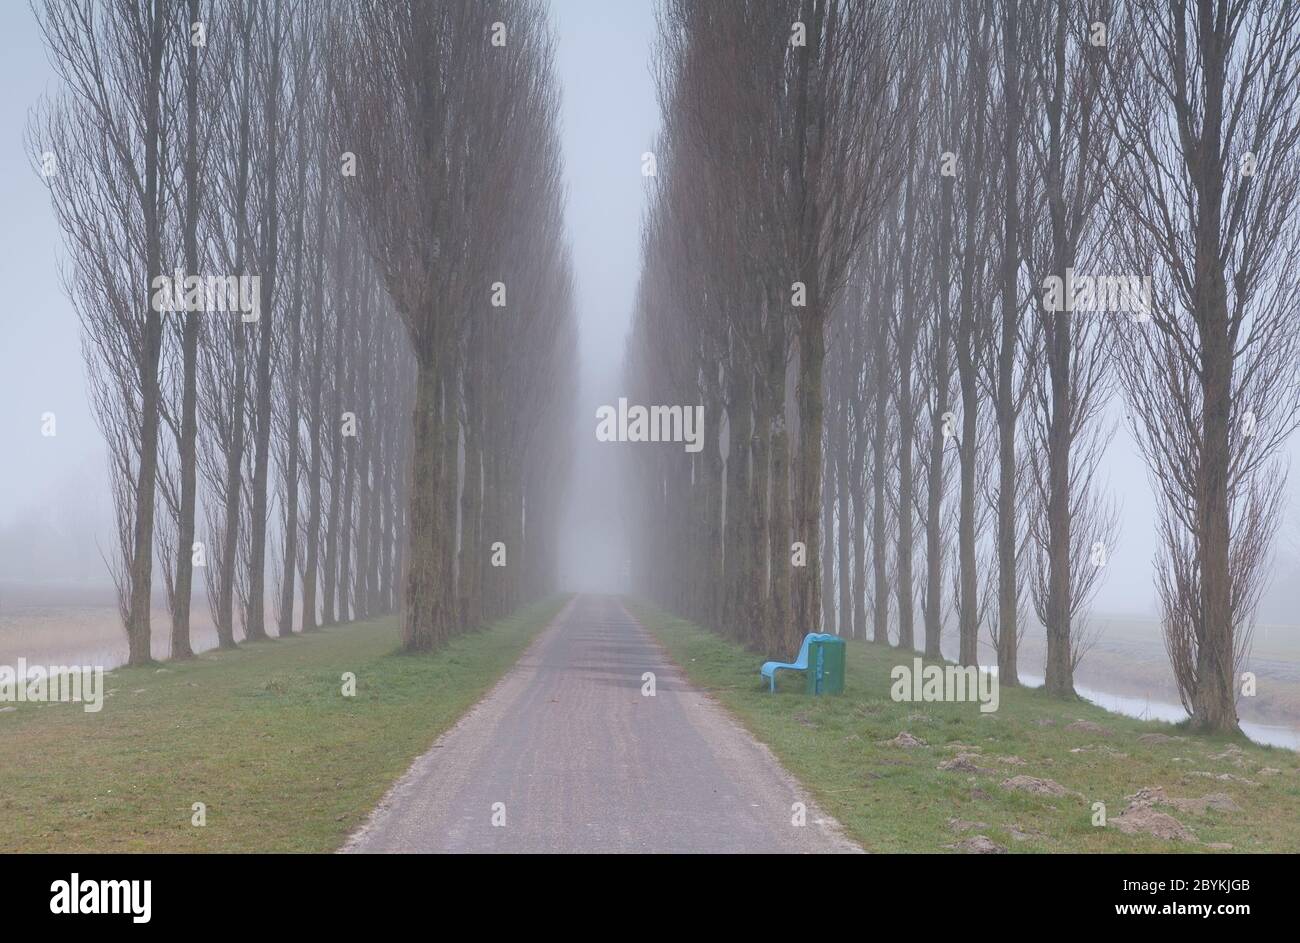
(566, 754)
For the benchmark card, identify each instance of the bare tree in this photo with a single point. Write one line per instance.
(329, 200)
(1012, 342)
(848, 99)
(440, 116)
(223, 358)
(944, 100)
(108, 140)
(193, 27)
(1069, 149)
(303, 150)
(972, 43)
(905, 327)
(1204, 110)
(271, 37)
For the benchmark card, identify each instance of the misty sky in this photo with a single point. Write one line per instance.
(40, 351)
(610, 116)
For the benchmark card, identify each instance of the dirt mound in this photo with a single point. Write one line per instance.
(964, 763)
(1147, 795)
(1155, 795)
(1038, 787)
(1143, 819)
(1087, 726)
(905, 739)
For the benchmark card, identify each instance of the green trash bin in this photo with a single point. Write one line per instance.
(825, 674)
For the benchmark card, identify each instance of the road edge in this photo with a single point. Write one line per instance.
(357, 835)
(832, 829)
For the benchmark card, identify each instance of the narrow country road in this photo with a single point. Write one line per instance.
(582, 761)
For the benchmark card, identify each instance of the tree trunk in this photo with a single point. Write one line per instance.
(141, 572)
(812, 360)
(968, 625)
(934, 556)
(187, 447)
(783, 630)
(422, 600)
(255, 619)
(859, 495)
(449, 495)
(1008, 584)
(333, 422)
(1214, 702)
(879, 472)
(292, 420)
(738, 561)
(713, 472)
(827, 587)
(363, 402)
(906, 410)
(843, 486)
(1059, 671)
(315, 459)
(471, 537)
(759, 611)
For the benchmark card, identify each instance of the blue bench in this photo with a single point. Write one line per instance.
(770, 668)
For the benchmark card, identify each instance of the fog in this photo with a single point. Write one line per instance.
(54, 510)
(610, 118)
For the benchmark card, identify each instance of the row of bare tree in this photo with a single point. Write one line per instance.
(357, 233)
(782, 138)
(902, 253)
(453, 109)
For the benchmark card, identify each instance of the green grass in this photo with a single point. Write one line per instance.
(262, 736)
(892, 799)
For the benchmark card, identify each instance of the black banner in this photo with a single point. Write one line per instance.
(139, 894)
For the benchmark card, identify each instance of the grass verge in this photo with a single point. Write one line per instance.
(262, 736)
(896, 799)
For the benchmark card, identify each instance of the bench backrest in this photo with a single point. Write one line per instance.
(802, 660)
